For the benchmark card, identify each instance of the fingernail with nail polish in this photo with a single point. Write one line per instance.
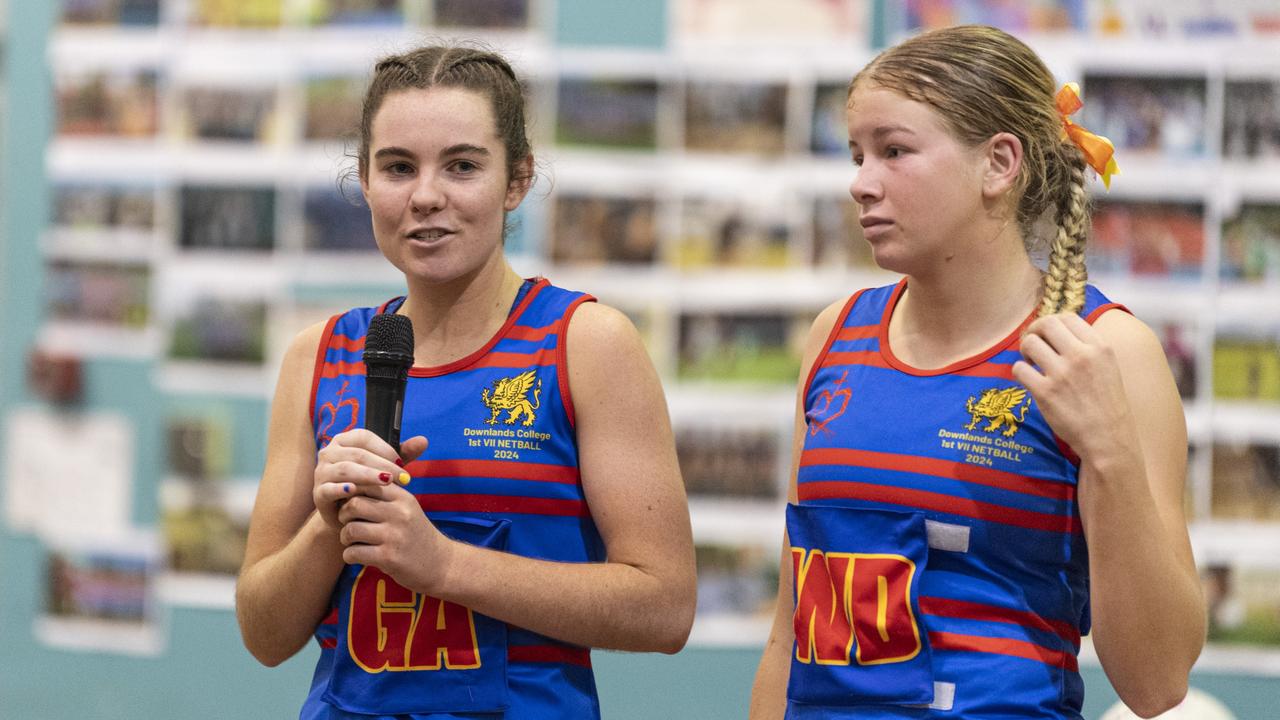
(400, 462)
(346, 488)
(384, 477)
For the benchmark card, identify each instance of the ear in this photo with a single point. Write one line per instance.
(363, 174)
(1004, 162)
(522, 180)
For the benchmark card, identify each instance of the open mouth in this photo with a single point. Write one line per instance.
(428, 235)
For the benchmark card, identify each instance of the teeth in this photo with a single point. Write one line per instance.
(428, 235)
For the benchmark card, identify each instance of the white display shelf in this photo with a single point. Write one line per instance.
(88, 340)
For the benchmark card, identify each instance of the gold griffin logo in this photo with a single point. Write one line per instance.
(512, 394)
(998, 406)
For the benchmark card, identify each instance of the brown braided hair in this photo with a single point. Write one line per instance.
(984, 81)
(475, 69)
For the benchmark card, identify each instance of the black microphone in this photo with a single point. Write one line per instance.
(388, 355)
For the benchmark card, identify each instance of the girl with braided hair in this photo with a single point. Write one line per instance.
(989, 458)
(471, 579)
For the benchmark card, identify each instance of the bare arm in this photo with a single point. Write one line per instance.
(1107, 391)
(292, 558)
(642, 597)
(769, 691)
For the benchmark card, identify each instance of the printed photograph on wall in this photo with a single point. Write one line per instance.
(100, 595)
(735, 581)
(735, 117)
(750, 231)
(599, 229)
(1251, 120)
(332, 108)
(216, 329)
(730, 462)
(761, 346)
(224, 218)
(1251, 244)
(604, 112)
(1244, 604)
(128, 13)
(336, 220)
(1246, 363)
(119, 103)
(1246, 481)
(1154, 115)
(98, 292)
(354, 13)
(230, 114)
(1157, 239)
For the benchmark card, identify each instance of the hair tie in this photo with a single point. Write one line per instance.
(1098, 151)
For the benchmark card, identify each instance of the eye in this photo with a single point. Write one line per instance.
(465, 166)
(399, 168)
(857, 160)
(892, 151)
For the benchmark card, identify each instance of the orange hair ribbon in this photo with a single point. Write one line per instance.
(1098, 151)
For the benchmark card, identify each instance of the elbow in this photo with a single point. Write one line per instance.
(266, 656)
(678, 623)
(1156, 701)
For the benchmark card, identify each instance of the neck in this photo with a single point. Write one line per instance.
(454, 319)
(966, 303)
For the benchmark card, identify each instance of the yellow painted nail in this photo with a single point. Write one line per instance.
(404, 478)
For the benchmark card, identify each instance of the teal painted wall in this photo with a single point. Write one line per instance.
(204, 671)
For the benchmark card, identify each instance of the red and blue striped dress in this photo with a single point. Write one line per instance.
(501, 472)
(939, 563)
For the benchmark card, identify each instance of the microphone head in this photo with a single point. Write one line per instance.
(389, 342)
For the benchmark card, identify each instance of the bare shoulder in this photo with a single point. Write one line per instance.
(821, 330)
(599, 335)
(298, 364)
(1133, 342)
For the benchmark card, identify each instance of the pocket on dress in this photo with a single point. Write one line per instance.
(401, 652)
(859, 636)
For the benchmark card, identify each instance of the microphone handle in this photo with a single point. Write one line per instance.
(384, 403)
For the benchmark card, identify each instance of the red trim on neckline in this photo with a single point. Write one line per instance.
(456, 365)
(887, 352)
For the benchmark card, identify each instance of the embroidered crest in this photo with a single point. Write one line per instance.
(512, 394)
(998, 405)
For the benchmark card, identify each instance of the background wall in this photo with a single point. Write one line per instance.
(190, 663)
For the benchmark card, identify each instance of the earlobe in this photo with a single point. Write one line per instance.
(1004, 162)
(519, 186)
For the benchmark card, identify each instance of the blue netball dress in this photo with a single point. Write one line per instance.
(939, 566)
(501, 472)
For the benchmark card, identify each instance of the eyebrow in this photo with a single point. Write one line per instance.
(459, 149)
(883, 130)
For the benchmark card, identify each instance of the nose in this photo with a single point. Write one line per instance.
(427, 196)
(865, 187)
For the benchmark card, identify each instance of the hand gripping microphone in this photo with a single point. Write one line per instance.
(388, 355)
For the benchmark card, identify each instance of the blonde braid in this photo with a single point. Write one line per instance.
(1064, 283)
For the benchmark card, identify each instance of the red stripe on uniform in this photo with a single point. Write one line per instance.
(858, 332)
(532, 334)
(965, 610)
(334, 369)
(549, 654)
(331, 618)
(874, 358)
(938, 468)
(503, 504)
(545, 356)
(342, 342)
(328, 643)
(938, 502)
(870, 358)
(536, 472)
(1003, 646)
